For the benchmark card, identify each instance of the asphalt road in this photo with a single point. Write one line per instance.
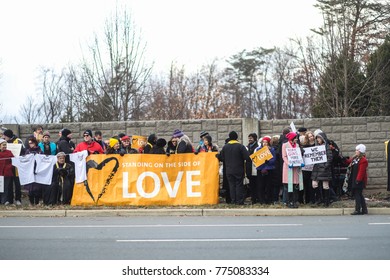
(198, 238)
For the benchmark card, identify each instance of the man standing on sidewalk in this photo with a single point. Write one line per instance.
(234, 155)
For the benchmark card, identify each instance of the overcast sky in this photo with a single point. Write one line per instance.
(51, 33)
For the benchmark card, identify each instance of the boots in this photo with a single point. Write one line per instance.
(326, 197)
(292, 200)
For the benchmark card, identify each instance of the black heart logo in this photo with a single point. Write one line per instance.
(94, 165)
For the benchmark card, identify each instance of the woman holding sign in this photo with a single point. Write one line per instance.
(292, 165)
(322, 172)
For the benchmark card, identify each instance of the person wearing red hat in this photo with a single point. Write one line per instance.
(291, 174)
(265, 174)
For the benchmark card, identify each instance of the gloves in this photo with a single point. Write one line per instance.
(266, 161)
(217, 156)
(122, 153)
(302, 164)
(196, 153)
(168, 154)
(290, 166)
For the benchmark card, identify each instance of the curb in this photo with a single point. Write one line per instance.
(188, 212)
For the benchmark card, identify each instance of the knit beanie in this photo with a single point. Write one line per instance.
(178, 133)
(9, 133)
(361, 148)
(291, 136)
(113, 141)
(233, 135)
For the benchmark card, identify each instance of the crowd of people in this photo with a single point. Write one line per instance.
(274, 181)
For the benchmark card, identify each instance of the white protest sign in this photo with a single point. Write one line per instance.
(316, 154)
(293, 128)
(294, 156)
(14, 148)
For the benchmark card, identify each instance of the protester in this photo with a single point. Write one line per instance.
(61, 189)
(277, 176)
(11, 138)
(250, 169)
(99, 139)
(114, 147)
(208, 145)
(201, 141)
(152, 139)
(47, 147)
(159, 148)
(184, 143)
(291, 173)
(357, 178)
(171, 146)
(234, 155)
(309, 195)
(34, 189)
(6, 172)
(88, 144)
(265, 174)
(126, 145)
(322, 172)
(65, 143)
(37, 134)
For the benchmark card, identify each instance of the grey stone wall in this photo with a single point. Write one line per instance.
(346, 132)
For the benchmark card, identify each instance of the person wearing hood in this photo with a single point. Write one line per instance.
(289, 169)
(65, 143)
(322, 172)
(184, 144)
(159, 148)
(152, 140)
(356, 177)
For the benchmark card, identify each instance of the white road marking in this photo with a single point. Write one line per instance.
(236, 239)
(374, 224)
(154, 226)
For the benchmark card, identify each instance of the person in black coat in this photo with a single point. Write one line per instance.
(159, 148)
(61, 190)
(252, 145)
(234, 155)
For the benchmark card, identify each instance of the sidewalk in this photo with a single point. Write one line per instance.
(187, 212)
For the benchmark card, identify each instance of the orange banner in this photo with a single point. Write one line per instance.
(146, 179)
(259, 157)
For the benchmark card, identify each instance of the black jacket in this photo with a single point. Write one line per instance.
(234, 155)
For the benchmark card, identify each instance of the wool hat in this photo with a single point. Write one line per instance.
(124, 138)
(203, 134)
(65, 132)
(113, 141)
(302, 129)
(291, 136)
(46, 133)
(361, 148)
(61, 154)
(9, 133)
(178, 133)
(267, 138)
(317, 131)
(88, 132)
(2, 141)
(233, 135)
(161, 142)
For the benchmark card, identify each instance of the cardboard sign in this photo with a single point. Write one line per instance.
(294, 156)
(146, 179)
(138, 141)
(14, 148)
(259, 157)
(315, 155)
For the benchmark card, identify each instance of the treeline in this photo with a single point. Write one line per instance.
(342, 70)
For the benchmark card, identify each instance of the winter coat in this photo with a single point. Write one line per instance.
(251, 149)
(62, 183)
(234, 155)
(358, 177)
(323, 171)
(6, 163)
(65, 145)
(52, 148)
(270, 165)
(296, 170)
(184, 145)
(92, 147)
